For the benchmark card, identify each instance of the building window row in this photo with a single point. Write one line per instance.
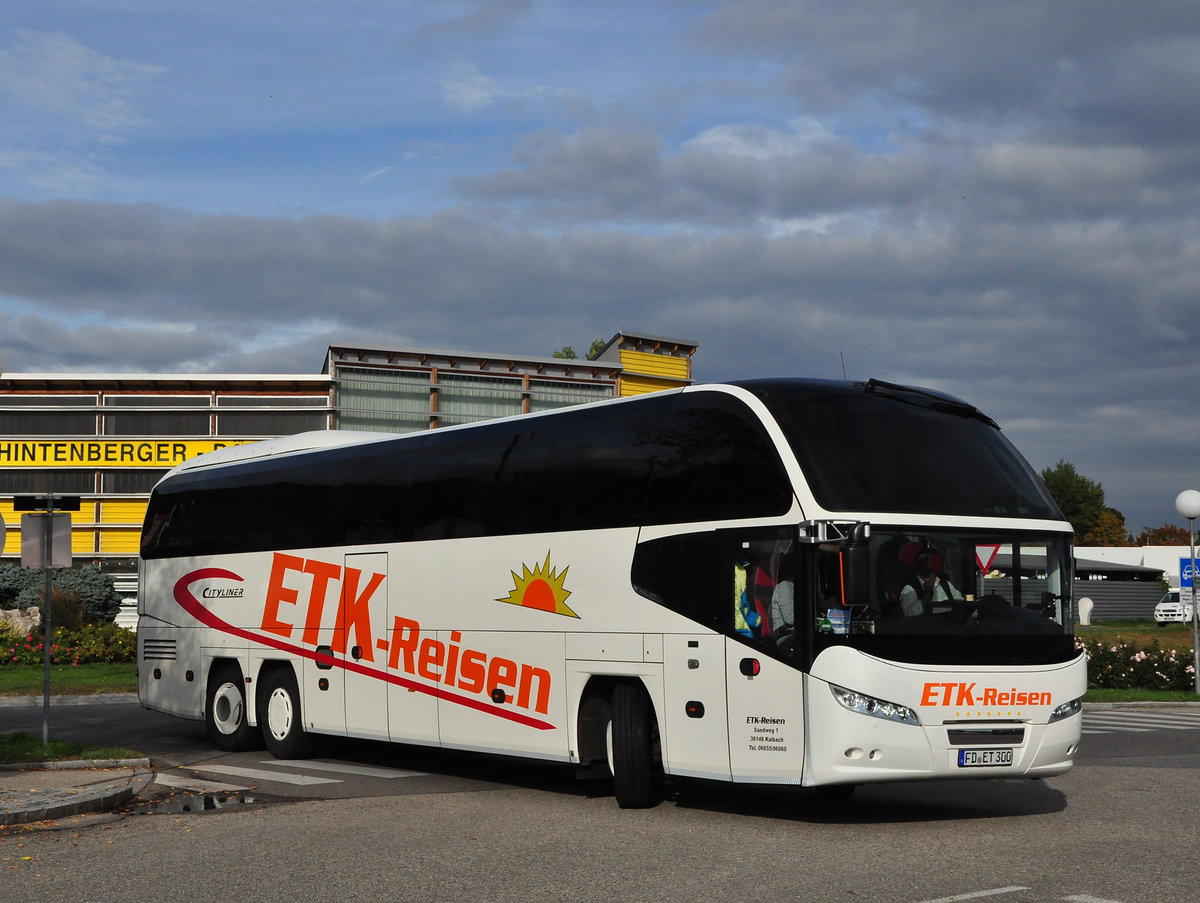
(400, 401)
(24, 480)
(163, 415)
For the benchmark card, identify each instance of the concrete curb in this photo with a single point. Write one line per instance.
(80, 800)
(35, 702)
(75, 764)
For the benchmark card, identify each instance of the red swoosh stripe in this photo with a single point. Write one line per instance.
(193, 606)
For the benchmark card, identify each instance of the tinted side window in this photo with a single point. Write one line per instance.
(740, 582)
(274, 516)
(328, 499)
(453, 486)
(686, 574)
(717, 463)
(585, 472)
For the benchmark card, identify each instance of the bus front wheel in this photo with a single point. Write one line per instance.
(283, 726)
(632, 741)
(225, 712)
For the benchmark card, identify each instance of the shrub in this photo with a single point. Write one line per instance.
(90, 587)
(1122, 666)
(105, 643)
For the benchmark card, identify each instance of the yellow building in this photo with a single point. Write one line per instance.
(648, 363)
(108, 439)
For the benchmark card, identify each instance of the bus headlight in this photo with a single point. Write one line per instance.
(876, 708)
(1066, 710)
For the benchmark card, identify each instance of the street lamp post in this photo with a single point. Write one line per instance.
(1187, 503)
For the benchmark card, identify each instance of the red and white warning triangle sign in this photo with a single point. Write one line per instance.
(985, 555)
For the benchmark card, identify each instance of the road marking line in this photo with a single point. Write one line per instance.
(1144, 713)
(975, 895)
(346, 768)
(1143, 722)
(1119, 727)
(180, 783)
(1176, 717)
(1084, 898)
(281, 777)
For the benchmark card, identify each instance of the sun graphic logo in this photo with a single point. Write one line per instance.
(541, 588)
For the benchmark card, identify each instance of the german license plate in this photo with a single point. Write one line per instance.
(984, 758)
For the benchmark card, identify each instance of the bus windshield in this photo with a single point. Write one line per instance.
(940, 596)
(879, 447)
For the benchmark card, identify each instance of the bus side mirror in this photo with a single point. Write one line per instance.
(855, 558)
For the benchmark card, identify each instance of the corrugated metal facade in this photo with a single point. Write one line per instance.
(1112, 600)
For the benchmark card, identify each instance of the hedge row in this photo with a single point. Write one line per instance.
(1125, 666)
(105, 643)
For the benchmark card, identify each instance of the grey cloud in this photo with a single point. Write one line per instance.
(1070, 66)
(1118, 289)
(607, 175)
(39, 344)
(600, 175)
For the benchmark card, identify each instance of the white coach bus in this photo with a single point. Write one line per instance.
(774, 581)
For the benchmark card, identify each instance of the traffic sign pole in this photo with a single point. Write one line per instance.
(43, 507)
(1187, 503)
(48, 524)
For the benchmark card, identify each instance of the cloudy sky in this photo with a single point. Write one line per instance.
(997, 199)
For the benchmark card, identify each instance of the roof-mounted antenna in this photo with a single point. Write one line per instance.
(842, 355)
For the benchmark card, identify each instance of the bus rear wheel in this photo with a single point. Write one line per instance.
(225, 712)
(633, 749)
(282, 722)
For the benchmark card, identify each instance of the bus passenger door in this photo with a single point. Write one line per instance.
(766, 716)
(322, 680)
(345, 690)
(362, 618)
(695, 718)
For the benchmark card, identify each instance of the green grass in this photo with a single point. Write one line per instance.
(73, 680)
(1141, 633)
(22, 747)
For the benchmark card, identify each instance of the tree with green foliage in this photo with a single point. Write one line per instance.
(1080, 499)
(568, 353)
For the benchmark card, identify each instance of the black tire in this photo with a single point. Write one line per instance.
(280, 716)
(225, 710)
(633, 749)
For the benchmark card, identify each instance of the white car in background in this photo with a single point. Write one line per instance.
(1170, 610)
